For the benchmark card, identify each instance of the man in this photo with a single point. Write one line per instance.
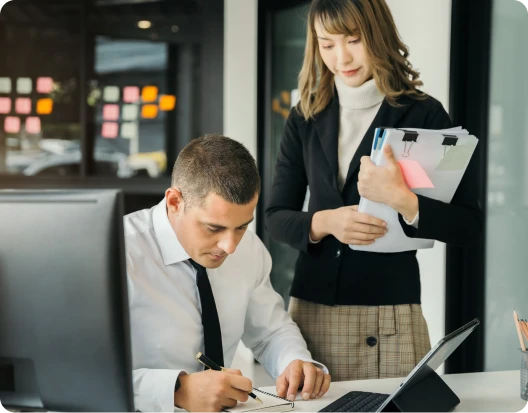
(199, 282)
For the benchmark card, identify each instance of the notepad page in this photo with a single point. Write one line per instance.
(269, 404)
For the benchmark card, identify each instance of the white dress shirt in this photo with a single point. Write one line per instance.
(165, 311)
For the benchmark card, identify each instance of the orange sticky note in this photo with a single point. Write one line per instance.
(414, 175)
(44, 106)
(149, 93)
(149, 111)
(167, 102)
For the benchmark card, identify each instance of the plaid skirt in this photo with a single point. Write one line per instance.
(363, 342)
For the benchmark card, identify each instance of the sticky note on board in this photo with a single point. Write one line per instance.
(23, 106)
(5, 105)
(455, 158)
(110, 130)
(414, 175)
(33, 124)
(110, 112)
(44, 85)
(131, 94)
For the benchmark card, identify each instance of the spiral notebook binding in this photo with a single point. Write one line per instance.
(272, 395)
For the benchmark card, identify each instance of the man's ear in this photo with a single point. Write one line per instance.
(175, 202)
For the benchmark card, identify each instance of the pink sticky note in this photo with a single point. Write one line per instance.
(5, 105)
(44, 85)
(12, 124)
(131, 94)
(414, 175)
(23, 106)
(110, 130)
(33, 124)
(111, 112)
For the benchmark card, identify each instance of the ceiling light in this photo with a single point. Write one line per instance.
(144, 24)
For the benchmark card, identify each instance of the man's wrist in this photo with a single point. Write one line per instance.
(179, 390)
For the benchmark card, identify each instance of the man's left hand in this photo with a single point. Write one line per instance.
(314, 381)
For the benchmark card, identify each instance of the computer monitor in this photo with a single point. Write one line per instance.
(64, 326)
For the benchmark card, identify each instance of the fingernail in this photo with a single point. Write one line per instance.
(291, 397)
(313, 395)
(306, 396)
(320, 394)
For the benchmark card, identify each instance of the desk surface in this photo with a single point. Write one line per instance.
(478, 392)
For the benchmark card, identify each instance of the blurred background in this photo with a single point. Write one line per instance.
(105, 93)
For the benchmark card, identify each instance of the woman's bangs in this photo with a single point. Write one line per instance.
(334, 22)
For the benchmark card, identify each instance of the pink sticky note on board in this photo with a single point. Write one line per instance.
(23, 106)
(33, 124)
(414, 175)
(5, 105)
(12, 124)
(111, 112)
(110, 130)
(44, 85)
(131, 94)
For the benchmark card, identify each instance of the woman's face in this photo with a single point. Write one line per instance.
(344, 55)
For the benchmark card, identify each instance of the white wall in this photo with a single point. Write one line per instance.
(424, 25)
(240, 108)
(240, 72)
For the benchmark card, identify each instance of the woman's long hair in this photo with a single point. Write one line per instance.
(387, 54)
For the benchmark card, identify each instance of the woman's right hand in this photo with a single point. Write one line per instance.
(348, 225)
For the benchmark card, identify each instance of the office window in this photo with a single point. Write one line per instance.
(108, 88)
(39, 89)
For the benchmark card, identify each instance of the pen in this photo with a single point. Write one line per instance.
(207, 362)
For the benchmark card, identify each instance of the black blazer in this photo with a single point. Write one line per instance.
(330, 272)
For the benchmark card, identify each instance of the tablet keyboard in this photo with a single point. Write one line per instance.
(357, 401)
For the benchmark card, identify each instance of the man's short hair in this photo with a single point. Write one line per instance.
(217, 164)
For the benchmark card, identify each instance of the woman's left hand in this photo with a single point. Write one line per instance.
(383, 184)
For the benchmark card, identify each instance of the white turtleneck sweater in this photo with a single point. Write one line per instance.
(358, 107)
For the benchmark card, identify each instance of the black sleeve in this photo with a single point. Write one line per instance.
(284, 217)
(459, 222)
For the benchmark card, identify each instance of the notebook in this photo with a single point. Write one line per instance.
(270, 403)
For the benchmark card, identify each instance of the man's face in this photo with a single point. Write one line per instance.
(211, 231)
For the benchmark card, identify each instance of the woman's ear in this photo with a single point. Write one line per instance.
(175, 202)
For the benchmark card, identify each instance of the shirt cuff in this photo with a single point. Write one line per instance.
(414, 222)
(312, 241)
(154, 390)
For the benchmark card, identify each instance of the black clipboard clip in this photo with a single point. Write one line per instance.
(449, 140)
(408, 139)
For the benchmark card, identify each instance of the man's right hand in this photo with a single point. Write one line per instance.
(348, 225)
(211, 391)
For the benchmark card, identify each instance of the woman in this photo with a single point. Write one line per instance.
(359, 312)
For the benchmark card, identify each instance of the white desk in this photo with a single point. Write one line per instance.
(478, 392)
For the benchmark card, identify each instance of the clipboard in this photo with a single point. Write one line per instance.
(442, 154)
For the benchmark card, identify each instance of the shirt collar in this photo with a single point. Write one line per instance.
(171, 249)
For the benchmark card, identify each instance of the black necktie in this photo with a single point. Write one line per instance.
(211, 325)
